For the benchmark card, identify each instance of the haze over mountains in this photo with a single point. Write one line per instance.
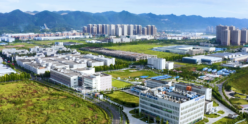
(18, 21)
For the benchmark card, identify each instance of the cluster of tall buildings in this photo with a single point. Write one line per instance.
(210, 30)
(120, 29)
(228, 35)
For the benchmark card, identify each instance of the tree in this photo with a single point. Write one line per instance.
(162, 121)
(167, 122)
(228, 87)
(243, 91)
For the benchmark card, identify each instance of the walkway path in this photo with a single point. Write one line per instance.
(221, 107)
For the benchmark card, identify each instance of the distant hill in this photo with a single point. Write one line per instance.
(18, 21)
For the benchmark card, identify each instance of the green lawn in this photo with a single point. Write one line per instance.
(241, 96)
(120, 84)
(30, 102)
(239, 101)
(144, 48)
(239, 80)
(221, 112)
(215, 104)
(205, 120)
(124, 98)
(223, 120)
(212, 115)
(132, 73)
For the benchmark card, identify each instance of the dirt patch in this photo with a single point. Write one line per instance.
(104, 121)
(34, 91)
(14, 46)
(91, 109)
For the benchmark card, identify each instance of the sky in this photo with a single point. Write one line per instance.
(205, 8)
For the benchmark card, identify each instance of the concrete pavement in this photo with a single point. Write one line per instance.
(221, 107)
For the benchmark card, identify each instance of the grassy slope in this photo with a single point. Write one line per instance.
(223, 120)
(239, 101)
(122, 96)
(143, 48)
(29, 102)
(120, 84)
(127, 73)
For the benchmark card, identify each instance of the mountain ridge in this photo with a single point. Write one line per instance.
(18, 21)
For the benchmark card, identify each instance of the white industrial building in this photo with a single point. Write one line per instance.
(7, 39)
(98, 81)
(4, 69)
(169, 38)
(120, 40)
(141, 37)
(202, 59)
(160, 63)
(178, 104)
(39, 65)
(13, 51)
(227, 55)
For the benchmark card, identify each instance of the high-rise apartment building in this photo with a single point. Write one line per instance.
(153, 30)
(225, 38)
(218, 33)
(94, 30)
(124, 30)
(244, 36)
(118, 31)
(103, 28)
(112, 30)
(107, 29)
(144, 31)
(89, 27)
(149, 31)
(116, 28)
(139, 30)
(85, 29)
(99, 29)
(130, 29)
(236, 37)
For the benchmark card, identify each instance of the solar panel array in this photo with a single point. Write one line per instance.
(161, 77)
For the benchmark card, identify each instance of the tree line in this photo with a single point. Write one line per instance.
(15, 77)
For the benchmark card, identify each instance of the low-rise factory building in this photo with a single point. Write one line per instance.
(202, 59)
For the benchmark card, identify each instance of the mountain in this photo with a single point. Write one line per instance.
(18, 21)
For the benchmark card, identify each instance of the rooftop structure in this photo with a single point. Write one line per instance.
(40, 65)
(179, 104)
(184, 49)
(5, 69)
(160, 63)
(227, 55)
(121, 54)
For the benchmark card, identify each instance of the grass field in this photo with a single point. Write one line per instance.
(239, 101)
(131, 73)
(16, 45)
(47, 42)
(215, 104)
(221, 112)
(241, 96)
(223, 120)
(143, 48)
(239, 81)
(30, 102)
(120, 84)
(212, 115)
(124, 98)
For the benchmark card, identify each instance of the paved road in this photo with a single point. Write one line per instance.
(221, 93)
(221, 107)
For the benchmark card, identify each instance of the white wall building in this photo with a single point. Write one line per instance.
(160, 63)
(141, 37)
(98, 81)
(5, 69)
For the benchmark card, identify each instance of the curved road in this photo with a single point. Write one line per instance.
(221, 93)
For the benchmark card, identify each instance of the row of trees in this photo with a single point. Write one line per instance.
(15, 77)
(111, 67)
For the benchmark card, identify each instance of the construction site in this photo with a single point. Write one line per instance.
(120, 54)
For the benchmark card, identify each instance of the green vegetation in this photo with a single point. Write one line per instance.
(124, 98)
(224, 120)
(212, 115)
(240, 96)
(120, 84)
(205, 120)
(215, 104)
(238, 101)
(144, 48)
(221, 112)
(239, 81)
(30, 102)
(131, 73)
(15, 77)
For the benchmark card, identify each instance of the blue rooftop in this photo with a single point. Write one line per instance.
(161, 77)
(143, 76)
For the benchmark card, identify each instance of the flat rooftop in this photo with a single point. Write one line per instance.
(204, 57)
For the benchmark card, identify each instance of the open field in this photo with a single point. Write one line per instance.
(124, 98)
(18, 45)
(223, 120)
(144, 48)
(30, 102)
(239, 101)
(47, 42)
(131, 73)
(120, 84)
